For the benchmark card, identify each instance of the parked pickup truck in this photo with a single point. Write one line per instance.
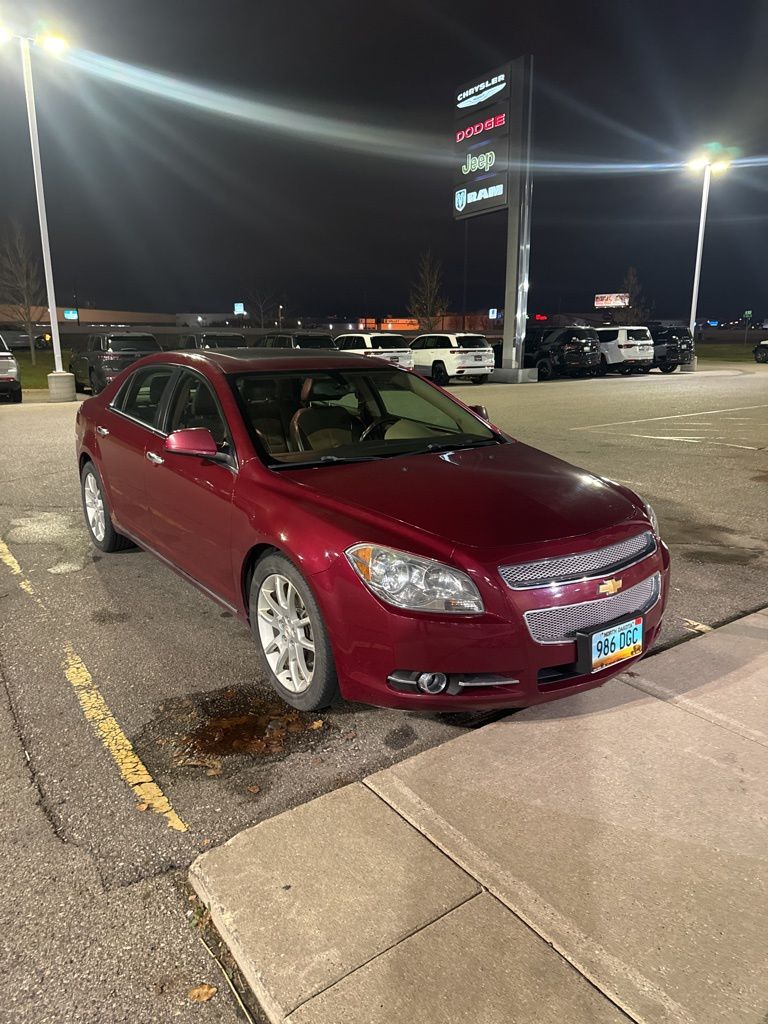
(392, 347)
(108, 354)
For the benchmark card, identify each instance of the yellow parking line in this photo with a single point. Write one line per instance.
(134, 772)
(6, 557)
(148, 794)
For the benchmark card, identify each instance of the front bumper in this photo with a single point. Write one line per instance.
(376, 647)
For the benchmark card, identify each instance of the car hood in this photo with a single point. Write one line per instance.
(490, 497)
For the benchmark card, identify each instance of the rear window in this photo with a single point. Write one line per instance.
(134, 343)
(639, 334)
(314, 341)
(472, 341)
(3, 346)
(223, 340)
(388, 341)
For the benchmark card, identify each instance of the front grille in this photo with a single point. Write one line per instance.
(570, 568)
(557, 625)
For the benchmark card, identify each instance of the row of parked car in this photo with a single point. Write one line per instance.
(575, 350)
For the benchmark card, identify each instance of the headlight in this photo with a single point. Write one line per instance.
(652, 516)
(419, 584)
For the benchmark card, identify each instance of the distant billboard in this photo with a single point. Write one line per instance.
(482, 111)
(611, 300)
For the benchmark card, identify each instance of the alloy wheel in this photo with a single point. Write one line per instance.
(94, 507)
(285, 631)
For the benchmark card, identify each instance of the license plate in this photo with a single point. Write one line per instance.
(478, 359)
(617, 643)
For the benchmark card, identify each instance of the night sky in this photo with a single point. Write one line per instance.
(154, 205)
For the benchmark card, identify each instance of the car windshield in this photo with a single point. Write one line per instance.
(223, 341)
(314, 341)
(472, 341)
(133, 343)
(324, 417)
(388, 341)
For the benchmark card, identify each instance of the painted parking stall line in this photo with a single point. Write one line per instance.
(133, 771)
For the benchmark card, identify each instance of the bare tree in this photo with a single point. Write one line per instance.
(427, 302)
(21, 281)
(262, 305)
(638, 311)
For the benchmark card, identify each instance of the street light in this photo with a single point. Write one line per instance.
(713, 160)
(61, 386)
(280, 316)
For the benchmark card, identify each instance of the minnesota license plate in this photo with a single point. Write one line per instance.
(617, 643)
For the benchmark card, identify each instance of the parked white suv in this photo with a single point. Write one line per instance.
(392, 347)
(10, 378)
(442, 356)
(625, 350)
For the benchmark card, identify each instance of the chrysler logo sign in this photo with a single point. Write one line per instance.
(481, 92)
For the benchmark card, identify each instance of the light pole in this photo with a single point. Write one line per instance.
(279, 316)
(712, 161)
(61, 385)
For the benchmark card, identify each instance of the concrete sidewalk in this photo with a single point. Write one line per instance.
(599, 859)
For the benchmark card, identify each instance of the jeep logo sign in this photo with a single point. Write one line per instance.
(481, 141)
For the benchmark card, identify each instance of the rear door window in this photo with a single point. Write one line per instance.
(142, 394)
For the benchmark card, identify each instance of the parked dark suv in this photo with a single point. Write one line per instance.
(106, 354)
(558, 351)
(295, 339)
(212, 339)
(672, 347)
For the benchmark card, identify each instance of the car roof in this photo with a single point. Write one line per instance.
(248, 360)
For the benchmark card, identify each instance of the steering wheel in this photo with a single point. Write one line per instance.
(380, 422)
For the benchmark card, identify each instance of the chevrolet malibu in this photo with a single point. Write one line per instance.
(380, 539)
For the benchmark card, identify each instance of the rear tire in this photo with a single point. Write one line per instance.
(16, 396)
(440, 374)
(97, 518)
(294, 623)
(481, 379)
(668, 369)
(95, 389)
(545, 369)
(602, 369)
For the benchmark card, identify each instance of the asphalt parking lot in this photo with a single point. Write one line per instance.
(100, 649)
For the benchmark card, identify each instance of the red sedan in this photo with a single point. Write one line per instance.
(380, 538)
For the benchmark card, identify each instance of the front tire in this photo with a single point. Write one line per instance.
(291, 638)
(97, 517)
(668, 368)
(16, 396)
(440, 374)
(545, 369)
(95, 389)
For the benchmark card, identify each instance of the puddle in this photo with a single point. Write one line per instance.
(203, 731)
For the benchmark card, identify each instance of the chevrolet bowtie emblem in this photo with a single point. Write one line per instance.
(610, 587)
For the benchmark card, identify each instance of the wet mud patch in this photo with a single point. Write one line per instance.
(106, 617)
(206, 734)
(713, 555)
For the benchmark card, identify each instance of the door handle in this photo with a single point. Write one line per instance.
(157, 460)
(102, 431)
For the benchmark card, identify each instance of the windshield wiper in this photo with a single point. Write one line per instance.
(325, 460)
(444, 446)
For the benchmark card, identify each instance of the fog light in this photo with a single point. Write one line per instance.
(432, 682)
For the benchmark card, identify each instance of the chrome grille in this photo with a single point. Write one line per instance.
(598, 562)
(556, 625)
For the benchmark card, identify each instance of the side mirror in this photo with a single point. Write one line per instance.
(481, 411)
(193, 441)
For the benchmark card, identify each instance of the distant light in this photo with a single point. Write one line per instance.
(349, 327)
(5, 35)
(239, 309)
(299, 322)
(720, 165)
(53, 44)
(199, 319)
(713, 323)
